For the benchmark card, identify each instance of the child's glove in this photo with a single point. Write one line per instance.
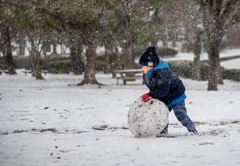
(146, 97)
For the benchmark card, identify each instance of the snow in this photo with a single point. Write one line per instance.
(231, 64)
(54, 122)
(147, 119)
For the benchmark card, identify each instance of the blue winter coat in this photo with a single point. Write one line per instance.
(164, 85)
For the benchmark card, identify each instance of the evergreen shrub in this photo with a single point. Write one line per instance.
(231, 74)
(59, 67)
(184, 69)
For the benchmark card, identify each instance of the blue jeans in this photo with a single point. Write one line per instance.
(180, 112)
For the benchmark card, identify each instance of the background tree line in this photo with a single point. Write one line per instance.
(127, 24)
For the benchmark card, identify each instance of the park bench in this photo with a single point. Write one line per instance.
(27, 71)
(128, 75)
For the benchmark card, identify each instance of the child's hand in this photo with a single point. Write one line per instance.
(146, 97)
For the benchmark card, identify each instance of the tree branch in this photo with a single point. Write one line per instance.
(228, 7)
(232, 16)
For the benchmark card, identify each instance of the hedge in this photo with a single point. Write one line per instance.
(184, 69)
(232, 74)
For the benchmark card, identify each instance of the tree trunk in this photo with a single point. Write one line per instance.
(54, 49)
(164, 40)
(129, 59)
(44, 49)
(32, 57)
(174, 43)
(108, 54)
(7, 51)
(90, 69)
(196, 75)
(36, 61)
(75, 53)
(188, 44)
(214, 31)
(116, 61)
(215, 73)
(112, 59)
(38, 67)
(213, 53)
(22, 46)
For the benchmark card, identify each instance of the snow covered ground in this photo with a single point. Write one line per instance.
(51, 123)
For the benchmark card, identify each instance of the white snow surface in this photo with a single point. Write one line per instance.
(51, 123)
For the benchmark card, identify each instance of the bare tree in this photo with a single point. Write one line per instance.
(129, 13)
(218, 16)
(192, 15)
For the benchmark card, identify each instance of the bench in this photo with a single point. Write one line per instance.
(128, 75)
(27, 71)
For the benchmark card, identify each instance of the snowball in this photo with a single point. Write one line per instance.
(147, 119)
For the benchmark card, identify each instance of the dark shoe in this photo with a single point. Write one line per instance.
(165, 130)
(192, 129)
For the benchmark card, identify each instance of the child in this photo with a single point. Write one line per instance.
(164, 85)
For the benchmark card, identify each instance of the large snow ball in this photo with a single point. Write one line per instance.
(147, 119)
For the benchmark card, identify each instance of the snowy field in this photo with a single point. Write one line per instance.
(51, 123)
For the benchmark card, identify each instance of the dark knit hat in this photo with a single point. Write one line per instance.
(149, 57)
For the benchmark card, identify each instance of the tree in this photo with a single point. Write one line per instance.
(196, 68)
(76, 57)
(126, 15)
(5, 33)
(27, 21)
(135, 26)
(218, 16)
(81, 21)
(192, 21)
(76, 19)
(31, 23)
